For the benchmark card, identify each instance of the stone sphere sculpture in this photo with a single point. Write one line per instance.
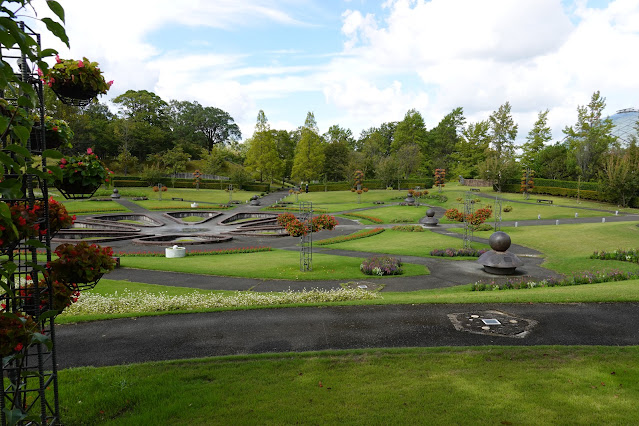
(499, 241)
(430, 213)
(116, 193)
(429, 220)
(499, 261)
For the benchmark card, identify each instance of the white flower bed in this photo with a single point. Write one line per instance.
(143, 301)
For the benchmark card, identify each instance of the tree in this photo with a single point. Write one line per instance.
(503, 131)
(214, 124)
(470, 150)
(214, 161)
(499, 169)
(411, 130)
(174, 160)
(125, 161)
(375, 144)
(285, 143)
(551, 162)
(337, 150)
(536, 140)
(308, 163)
(444, 138)
(262, 155)
(621, 175)
(590, 138)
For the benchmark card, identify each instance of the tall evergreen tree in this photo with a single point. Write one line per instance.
(536, 140)
(444, 138)
(503, 131)
(262, 155)
(470, 150)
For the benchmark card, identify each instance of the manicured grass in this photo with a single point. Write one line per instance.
(403, 243)
(79, 207)
(567, 247)
(397, 214)
(276, 264)
(482, 385)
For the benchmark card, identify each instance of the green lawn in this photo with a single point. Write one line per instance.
(276, 264)
(483, 385)
(567, 247)
(403, 243)
(79, 207)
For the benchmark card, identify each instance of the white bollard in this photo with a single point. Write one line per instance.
(603, 220)
(538, 216)
(616, 212)
(576, 215)
(557, 222)
(515, 224)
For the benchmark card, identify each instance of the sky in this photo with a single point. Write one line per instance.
(360, 63)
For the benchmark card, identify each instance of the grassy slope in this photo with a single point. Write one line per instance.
(483, 385)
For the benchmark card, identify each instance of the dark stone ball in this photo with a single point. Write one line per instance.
(430, 213)
(115, 190)
(499, 241)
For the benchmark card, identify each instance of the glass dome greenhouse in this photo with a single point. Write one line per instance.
(625, 122)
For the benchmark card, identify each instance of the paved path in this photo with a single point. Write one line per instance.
(133, 340)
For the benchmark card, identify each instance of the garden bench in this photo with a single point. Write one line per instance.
(177, 199)
(475, 189)
(544, 201)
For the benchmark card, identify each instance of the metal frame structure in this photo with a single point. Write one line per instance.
(498, 211)
(29, 394)
(306, 240)
(469, 209)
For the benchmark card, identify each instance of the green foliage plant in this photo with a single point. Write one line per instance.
(80, 263)
(70, 76)
(85, 169)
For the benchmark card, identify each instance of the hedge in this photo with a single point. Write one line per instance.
(184, 183)
(564, 192)
(553, 183)
(370, 184)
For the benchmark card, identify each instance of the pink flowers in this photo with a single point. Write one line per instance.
(80, 64)
(110, 83)
(57, 59)
(89, 151)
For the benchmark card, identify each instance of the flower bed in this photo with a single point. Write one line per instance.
(408, 228)
(355, 236)
(142, 301)
(451, 252)
(196, 252)
(630, 255)
(578, 279)
(382, 265)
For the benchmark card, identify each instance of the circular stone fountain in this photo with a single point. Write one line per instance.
(499, 261)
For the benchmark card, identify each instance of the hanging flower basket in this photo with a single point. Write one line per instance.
(59, 217)
(62, 296)
(82, 175)
(76, 190)
(76, 82)
(16, 332)
(24, 224)
(80, 266)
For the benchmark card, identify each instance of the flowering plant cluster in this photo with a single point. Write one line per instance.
(361, 216)
(578, 279)
(61, 294)
(80, 263)
(16, 332)
(527, 180)
(451, 252)
(84, 170)
(143, 301)
(354, 236)
(297, 228)
(479, 216)
(58, 133)
(440, 178)
(630, 255)
(407, 228)
(454, 214)
(196, 252)
(284, 218)
(358, 178)
(23, 224)
(59, 217)
(324, 221)
(382, 265)
(69, 76)
(507, 209)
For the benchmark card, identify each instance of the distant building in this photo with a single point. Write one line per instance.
(625, 121)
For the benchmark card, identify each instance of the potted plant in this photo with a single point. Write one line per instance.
(61, 296)
(81, 266)
(16, 332)
(75, 82)
(59, 217)
(24, 224)
(82, 175)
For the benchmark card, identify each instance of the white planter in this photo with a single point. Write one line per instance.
(175, 251)
(194, 205)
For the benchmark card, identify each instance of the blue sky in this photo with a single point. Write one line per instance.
(360, 63)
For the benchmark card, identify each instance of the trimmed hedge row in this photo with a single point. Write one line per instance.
(564, 192)
(256, 187)
(553, 183)
(370, 184)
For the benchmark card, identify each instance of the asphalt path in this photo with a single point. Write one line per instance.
(171, 337)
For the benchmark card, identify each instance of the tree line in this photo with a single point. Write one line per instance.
(147, 133)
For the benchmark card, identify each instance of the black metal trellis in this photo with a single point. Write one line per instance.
(469, 209)
(306, 240)
(29, 394)
(498, 213)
